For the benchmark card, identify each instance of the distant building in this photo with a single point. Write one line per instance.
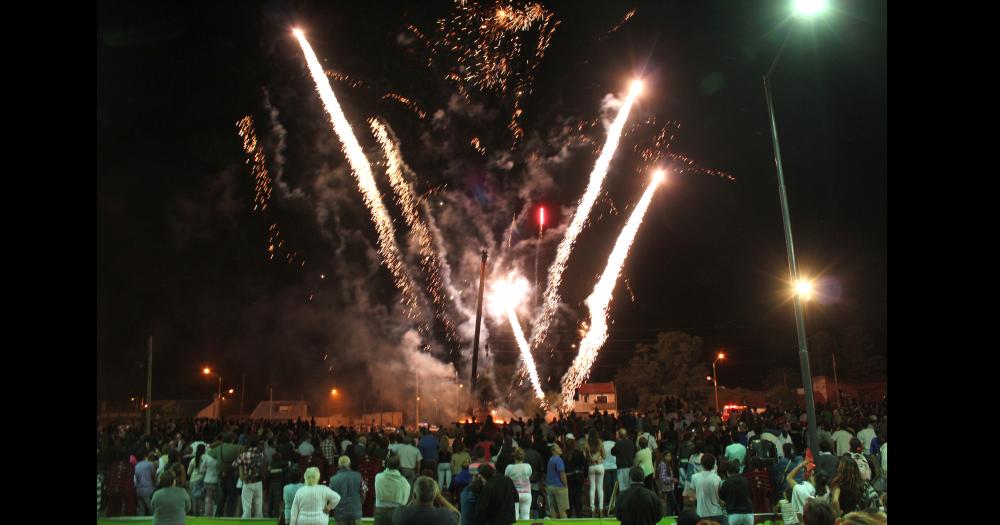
(281, 410)
(597, 396)
(825, 391)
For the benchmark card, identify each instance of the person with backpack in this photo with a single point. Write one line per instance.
(225, 451)
(251, 472)
(850, 492)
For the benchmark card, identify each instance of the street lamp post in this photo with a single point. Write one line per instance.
(715, 379)
(805, 8)
(218, 400)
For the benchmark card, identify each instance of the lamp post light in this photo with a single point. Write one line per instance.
(218, 406)
(803, 9)
(715, 379)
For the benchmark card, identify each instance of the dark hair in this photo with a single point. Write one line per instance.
(425, 489)
(789, 450)
(707, 461)
(637, 475)
(821, 481)
(458, 446)
(848, 476)
(197, 455)
(817, 512)
(486, 470)
(856, 445)
(166, 480)
(733, 467)
(479, 452)
(392, 463)
(688, 517)
(825, 446)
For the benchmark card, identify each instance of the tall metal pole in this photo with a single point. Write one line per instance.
(479, 318)
(270, 404)
(715, 379)
(243, 393)
(416, 382)
(149, 386)
(793, 268)
(218, 401)
(836, 383)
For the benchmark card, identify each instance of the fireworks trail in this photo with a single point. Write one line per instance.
(655, 149)
(391, 256)
(504, 298)
(408, 204)
(628, 16)
(550, 301)
(263, 186)
(600, 299)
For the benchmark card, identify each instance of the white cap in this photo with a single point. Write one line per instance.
(570, 436)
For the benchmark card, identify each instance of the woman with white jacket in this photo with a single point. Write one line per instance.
(313, 502)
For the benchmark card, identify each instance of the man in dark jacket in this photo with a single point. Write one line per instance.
(495, 504)
(624, 453)
(826, 462)
(638, 505)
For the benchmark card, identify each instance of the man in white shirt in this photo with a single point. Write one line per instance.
(409, 458)
(706, 487)
(736, 451)
(306, 448)
(866, 435)
(841, 441)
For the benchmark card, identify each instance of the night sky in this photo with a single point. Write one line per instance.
(182, 256)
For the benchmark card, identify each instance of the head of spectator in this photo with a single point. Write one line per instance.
(166, 480)
(688, 517)
(636, 474)
(707, 461)
(312, 476)
(344, 463)
(817, 512)
(392, 463)
(425, 490)
(825, 445)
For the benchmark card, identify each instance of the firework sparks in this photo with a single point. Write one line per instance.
(484, 45)
(408, 204)
(262, 188)
(391, 256)
(550, 301)
(628, 16)
(600, 299)
(504, 298)
(406, 102)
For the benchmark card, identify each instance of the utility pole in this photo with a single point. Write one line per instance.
(479, 318)
(149, 385)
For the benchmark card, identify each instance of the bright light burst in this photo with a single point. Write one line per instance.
(600, 299)
(551, 298)
(391, 256)
(504, 298)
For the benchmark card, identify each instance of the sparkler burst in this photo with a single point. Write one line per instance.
(551, 298)
(388, 249)
(504, 298)
(600, 298)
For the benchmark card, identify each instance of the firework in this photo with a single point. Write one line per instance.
(600, 299)
(391, 256)
(628, 16)
(550, 301)
(485, 46)
(504, 297)
(262, 188)
(421, 233)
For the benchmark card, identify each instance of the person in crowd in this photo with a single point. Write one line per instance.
(706, 487)
(428, 446)
(209, 469)
(392, 490)
(666, 480)
(576, 475)
(783, 466)
(197, 478)
(369, 466)
(313, 502)
(170, 503)
(814, 487)
(422, 510)
(849, 491)
(735, 492)
(638, 505)
(409, 460)
(556, 484)
(275, 483)
(121, 493)
(252, 469)
(458, 457)
(462, 480)
(593, 451)
(295, 482)
(145, 484)
(468, 499)
(519, 473)
(826, 462)
(351, 487)
(444, 464)
(644, 459)
(498, 498)
(225, 451)
(736, 451)
(841, 440)
(610, 467)
(818, 512)
(624, 453)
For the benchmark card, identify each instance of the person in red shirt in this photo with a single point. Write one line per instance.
(369, 466)
(120, 488)
(761, 488)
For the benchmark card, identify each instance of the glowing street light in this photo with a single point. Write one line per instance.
(218, 406)
(804, 289)
(715, 378)
(803, 9)
(809, 8)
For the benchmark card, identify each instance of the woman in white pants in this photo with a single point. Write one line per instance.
(594, 452)
(520, 473)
